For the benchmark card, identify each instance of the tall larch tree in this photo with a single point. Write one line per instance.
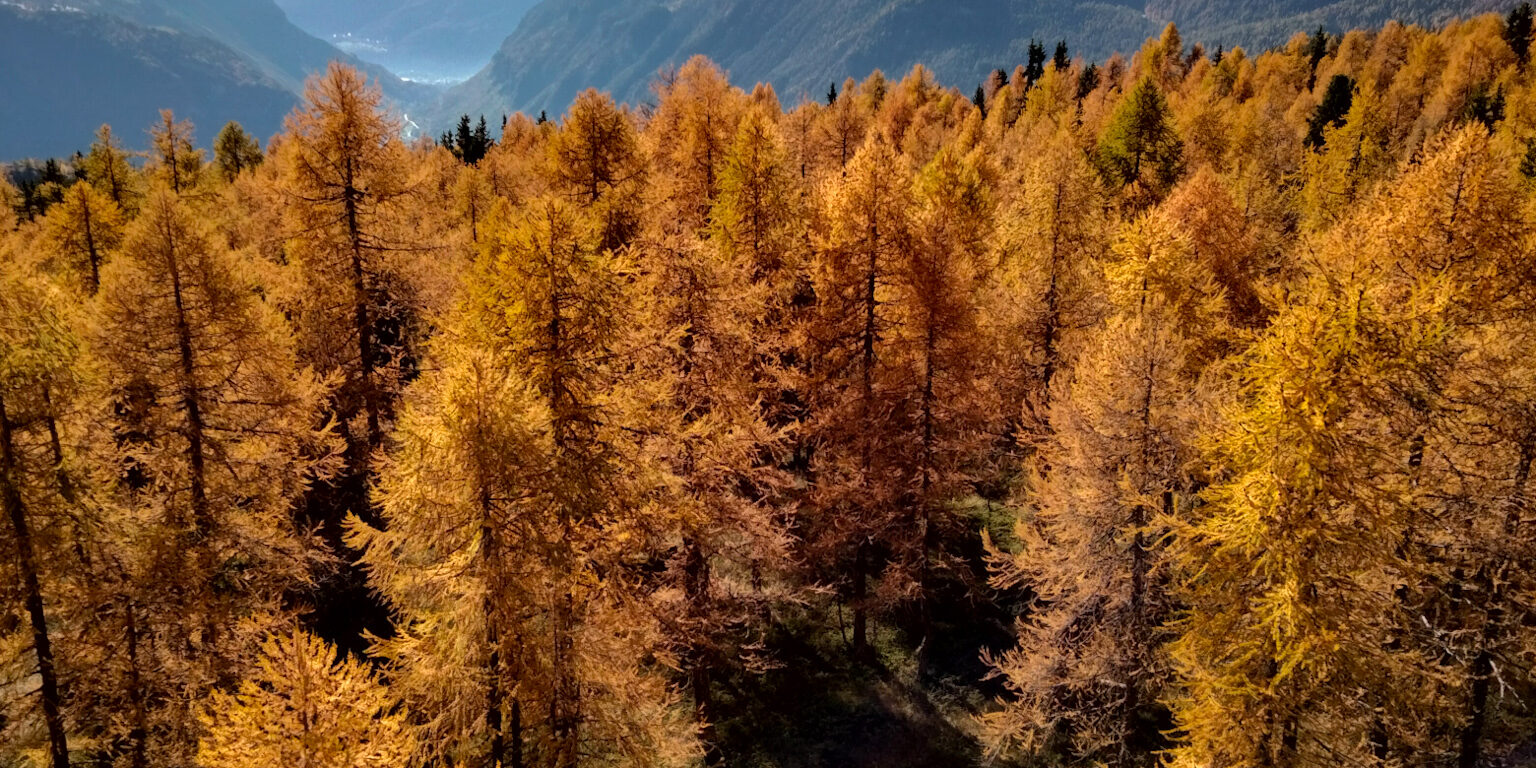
(759, 217)
(565, 509)
(1452, 251)
(701, 309)
(706, 427)
(840, 129)
(1352, 160)
(941, 340)
(854, 425)
(343, 185)
(595, 161)
(1088, 674)
(1051, 234)
(205, 379)
(38, 347)
(1325, 597)
(458, 562)
(689, 135)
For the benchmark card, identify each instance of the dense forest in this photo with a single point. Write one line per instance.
(1172, 410)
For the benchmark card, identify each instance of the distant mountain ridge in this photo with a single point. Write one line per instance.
(563, 46)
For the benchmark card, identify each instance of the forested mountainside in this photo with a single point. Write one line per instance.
(66, 73)
(619, 46)
(144, 54)
(1167, 410)
(421, 39)
(1271, 23)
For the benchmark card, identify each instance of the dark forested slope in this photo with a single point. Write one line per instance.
(800, 46)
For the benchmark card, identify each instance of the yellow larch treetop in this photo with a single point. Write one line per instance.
(301, 704)
(84, 229)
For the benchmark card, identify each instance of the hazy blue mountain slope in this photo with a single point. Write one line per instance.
(423, 39)
(800, 46)
(66, 73)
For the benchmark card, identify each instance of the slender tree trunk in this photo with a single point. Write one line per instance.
(60, 472)
(136, 698)
(1052, 303)
(867, 393)
(925, 506)
(564, 705)
(516, 729)
(26, 563)
(351, 196)
(202, 515)
(1477, 702)
(1290, 742)
(860, 594)
(1471, 746)
(1140, 563)
(92, 255)
(202, 518)
(497, 755)
(696, 587)
(493, 696)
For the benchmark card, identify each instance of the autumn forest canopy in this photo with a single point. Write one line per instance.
(1175, 409)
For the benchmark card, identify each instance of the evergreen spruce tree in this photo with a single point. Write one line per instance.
(235, 151)
(1332, 110)
(1517, 32)
(1035, 68)
(1140, 150)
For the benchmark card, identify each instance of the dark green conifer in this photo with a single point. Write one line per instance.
(1333, 109)
(1517, 32)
